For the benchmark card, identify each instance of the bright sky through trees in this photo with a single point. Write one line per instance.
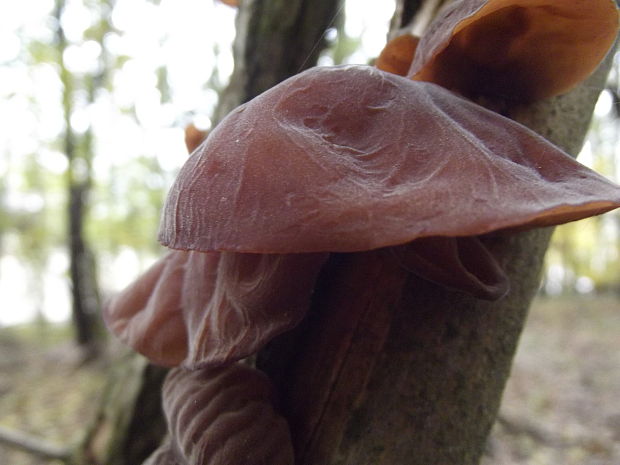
(189, 38)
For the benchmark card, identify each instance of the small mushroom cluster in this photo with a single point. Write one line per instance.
(349, 159)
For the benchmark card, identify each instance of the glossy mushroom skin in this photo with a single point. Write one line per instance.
(199, 309)
(222, 416)
(519, 50)
(352, 158)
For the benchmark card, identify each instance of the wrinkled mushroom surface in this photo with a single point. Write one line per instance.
(520, 50)
(222, 416)
(200, 309)
(353, 158)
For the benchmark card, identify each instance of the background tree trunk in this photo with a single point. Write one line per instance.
(82, 269)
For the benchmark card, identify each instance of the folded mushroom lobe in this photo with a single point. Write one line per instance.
(248, 301)
(146, 315)
(521, 50)
(201, 309)
(460, 263)
(397, 55)
(223, 416)
(352, 158)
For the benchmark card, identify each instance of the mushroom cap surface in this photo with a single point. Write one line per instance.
(521, 50)
(352, 158)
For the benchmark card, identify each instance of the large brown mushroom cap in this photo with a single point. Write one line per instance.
(516, 49)
(352, 158)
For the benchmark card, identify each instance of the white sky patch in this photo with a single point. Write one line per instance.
(10, 46)
(83, 58)
(604, 104)
(370, 20)
(14, 308)
(586, 156)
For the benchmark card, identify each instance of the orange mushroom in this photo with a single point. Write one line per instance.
(193, 137)
(232, 3)
(521, 50)
(397, 55)
(222, 416)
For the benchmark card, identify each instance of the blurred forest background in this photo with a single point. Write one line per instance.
(96, 96)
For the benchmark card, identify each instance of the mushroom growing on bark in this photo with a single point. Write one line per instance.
(521, 50)
(347, 159)
(339, 159)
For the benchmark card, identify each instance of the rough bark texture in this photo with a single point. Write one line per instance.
(275, 40)
(389, 369)
(130, 422)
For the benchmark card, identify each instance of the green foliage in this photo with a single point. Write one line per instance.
(127, 209)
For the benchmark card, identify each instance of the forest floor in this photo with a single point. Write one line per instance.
(561, 405)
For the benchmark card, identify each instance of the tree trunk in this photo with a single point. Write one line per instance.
(275, 40)
(84, 289)
(389, 369)
(130, 422)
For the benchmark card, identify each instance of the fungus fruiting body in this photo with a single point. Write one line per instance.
(200, 309)
(520, 50)
(340, 159)
(222, 416)
(397, 55)
(352, 158)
